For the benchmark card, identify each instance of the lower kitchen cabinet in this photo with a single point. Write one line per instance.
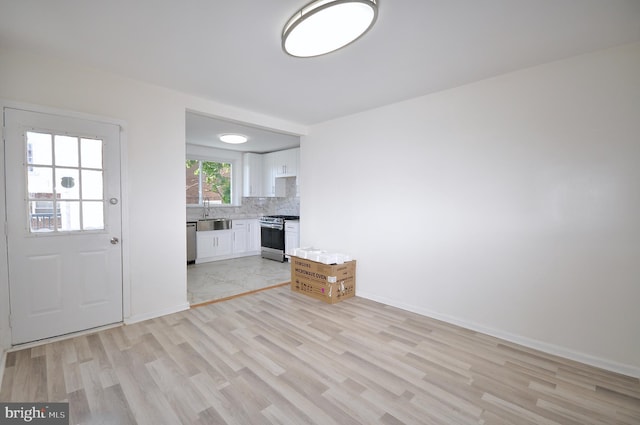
(247, 237)
(239, 236)
(253, 237)
(242, 240)
(291, 236)
(214, 243)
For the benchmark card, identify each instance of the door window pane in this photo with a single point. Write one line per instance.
(69, 215)
(67, 183)
(40, 182)
(66, 149)
(91, 184)
(39, 149)
(43, 216)
(93, 215)
(91, 153)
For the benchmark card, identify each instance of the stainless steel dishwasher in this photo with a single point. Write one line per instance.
(191, 242)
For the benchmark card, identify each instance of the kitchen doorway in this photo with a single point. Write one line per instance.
(218, 280)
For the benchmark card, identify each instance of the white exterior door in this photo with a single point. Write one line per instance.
(63, 224)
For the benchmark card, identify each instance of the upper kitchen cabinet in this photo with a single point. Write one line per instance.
(276, 165)
(261, 171)
(268, 176)
(285, 163)
(252, 175)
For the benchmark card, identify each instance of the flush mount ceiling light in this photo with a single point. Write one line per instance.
(324, 26)
(234, 139)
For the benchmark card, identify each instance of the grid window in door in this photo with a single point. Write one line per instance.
(65, 183)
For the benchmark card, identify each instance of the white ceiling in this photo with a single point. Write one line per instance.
(203, 130)
(230, 51)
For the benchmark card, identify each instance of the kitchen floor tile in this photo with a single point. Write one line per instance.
(226, 278)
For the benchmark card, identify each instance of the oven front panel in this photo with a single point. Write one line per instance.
(272, 238)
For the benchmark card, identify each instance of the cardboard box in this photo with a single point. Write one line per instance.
(330, 283)
(330, 273)
(330, 293)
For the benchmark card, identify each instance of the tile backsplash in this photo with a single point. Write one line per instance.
(252, 207)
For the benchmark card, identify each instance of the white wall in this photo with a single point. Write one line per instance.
(5, 335)
(154, 167)
(509, 206)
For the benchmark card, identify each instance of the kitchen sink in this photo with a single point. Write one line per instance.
(205, 224)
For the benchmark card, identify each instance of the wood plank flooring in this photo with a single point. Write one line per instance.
(278, 357)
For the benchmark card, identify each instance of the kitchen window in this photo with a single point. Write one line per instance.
(208, 182)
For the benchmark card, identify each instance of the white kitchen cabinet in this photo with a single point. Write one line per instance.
(291, 236)
(205, 245)
(252, 180)
(240, 236)
(276, 165)
(246, 237)
(243, 239)
(239, 228)
(253, 237)
(213, 244)
(261, 171)
(285, 163)
(268, 176)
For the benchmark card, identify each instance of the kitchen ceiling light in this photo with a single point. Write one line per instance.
(234, 139)
(324, 26)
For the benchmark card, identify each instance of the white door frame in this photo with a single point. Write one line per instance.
(5, 329)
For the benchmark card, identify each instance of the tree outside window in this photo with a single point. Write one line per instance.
(208, 180)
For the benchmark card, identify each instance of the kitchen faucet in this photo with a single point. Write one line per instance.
(205, 208)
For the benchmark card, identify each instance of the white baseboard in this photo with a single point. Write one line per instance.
(70, 335)
(556, 350)
(152, 315)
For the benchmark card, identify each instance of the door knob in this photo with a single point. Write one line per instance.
(114, 241)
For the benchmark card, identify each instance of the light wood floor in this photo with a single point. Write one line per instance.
(276, 357)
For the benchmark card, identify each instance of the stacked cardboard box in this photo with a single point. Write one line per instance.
(330, 283)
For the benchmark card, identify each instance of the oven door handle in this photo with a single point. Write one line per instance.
(272, 226)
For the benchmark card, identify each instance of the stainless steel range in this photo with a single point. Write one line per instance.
(272, 235)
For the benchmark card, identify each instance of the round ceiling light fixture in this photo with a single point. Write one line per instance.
(324, 26)
(234, 139)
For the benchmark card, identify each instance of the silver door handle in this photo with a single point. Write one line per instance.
(114, 241)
